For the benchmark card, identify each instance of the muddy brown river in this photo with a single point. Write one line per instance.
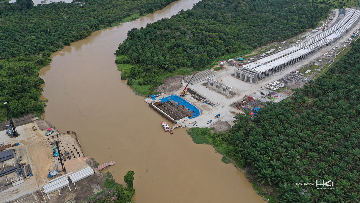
(86, 95)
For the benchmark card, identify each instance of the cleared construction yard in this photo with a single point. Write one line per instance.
(36, 150)
(269, 76)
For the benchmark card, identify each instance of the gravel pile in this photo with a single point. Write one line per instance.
(220, 126)
(170, 84)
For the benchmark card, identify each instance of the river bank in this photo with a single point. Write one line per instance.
(313, 67)
(35, 150)
(33, 33)
(86, 94)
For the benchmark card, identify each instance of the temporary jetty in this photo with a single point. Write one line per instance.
(176, 126)
(102, 166)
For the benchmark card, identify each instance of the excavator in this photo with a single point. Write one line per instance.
(182, 94)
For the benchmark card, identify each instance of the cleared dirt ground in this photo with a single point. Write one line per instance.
(36, 149)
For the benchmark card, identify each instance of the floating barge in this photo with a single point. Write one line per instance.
(153, 105)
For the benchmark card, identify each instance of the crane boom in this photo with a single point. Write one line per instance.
(183, 92)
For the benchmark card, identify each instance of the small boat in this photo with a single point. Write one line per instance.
(165, 126)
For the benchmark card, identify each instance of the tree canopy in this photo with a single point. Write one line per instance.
(314, 135)
(29, 34)
(194, 39)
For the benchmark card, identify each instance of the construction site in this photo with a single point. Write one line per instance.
(39, 164)
(270, 74)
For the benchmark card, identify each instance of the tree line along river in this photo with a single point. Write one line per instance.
(86, 95)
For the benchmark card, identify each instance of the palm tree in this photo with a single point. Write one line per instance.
(329, 198)
(265, 175)
(352, 197)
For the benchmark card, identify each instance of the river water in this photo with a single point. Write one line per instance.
(86, 95)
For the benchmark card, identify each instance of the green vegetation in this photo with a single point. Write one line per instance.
(118, 193)
(213, 30)
(314, 135)
(218, 68)
(129, 179)
(29, 34)
(341, 3)
(21, 86)
(225, 160)
(200, 135)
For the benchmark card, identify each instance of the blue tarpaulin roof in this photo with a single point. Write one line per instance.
(256, 109)
(240, 59)
(181, 101)
(153, 97)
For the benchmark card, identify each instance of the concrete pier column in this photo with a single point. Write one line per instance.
(256, 78)
(221, 88)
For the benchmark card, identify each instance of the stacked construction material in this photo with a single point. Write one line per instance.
(81, 174)
(6, 155)
(200, 76)
(20, 172)
(181, 101)
(57, 184)
(219, 86)
(28, 170)
(102, 166)
(153, 105)
(8, 171)
(4, 147)
(17, 181)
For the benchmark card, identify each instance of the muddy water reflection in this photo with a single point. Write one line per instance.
(86, 95)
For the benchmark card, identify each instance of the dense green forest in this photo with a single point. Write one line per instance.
(314, 135)
(196, 38)
(341, 3)
(29, 34)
